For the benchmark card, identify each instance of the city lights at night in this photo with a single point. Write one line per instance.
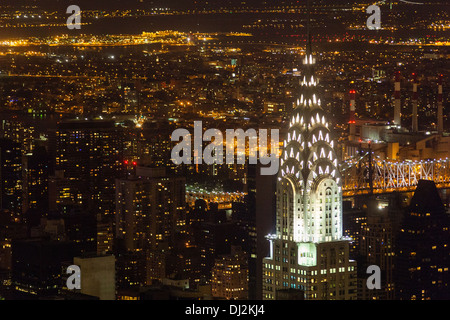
(225, 154)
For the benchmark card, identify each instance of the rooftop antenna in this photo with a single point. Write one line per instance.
(309, 61)
(308, 29)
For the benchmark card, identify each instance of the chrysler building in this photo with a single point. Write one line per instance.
(308, 251)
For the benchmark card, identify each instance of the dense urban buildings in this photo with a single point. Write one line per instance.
(87, 176)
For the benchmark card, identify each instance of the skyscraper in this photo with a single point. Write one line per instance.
(308, 251)
(90, 155)
(421, 265)
(10, 176)
(35, 180)
(230, 275)
(20, 132)
(376, 242)
(149, 214)
(150, 209)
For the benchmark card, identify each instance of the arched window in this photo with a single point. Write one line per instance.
(328, 200)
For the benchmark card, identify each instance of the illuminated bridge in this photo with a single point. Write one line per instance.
(224, 199)
(359, 178)
(368, 173)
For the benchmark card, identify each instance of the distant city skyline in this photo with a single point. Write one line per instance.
(176, 4)
(87, 172)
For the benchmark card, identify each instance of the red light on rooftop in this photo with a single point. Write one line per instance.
(126, 162)
(134, 163)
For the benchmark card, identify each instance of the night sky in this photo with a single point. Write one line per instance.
(173, 4)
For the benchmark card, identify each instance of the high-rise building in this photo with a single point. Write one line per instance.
(376, 247)
(89, 154)
(214, 238)
(10, 176)
(245, 217)
(423, 248)
(130, 270)
(155, 144)
(150, 208)
(105, 235)
(308, 251)
(59, 194)
(131, 98)
(20, 132)
(133, 213)
(81, 229)
(265, 222)
(353, 219)
(35, 180)
(230, 276)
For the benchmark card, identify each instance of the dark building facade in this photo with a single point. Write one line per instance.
(423, 248)
(35, 180)
(37, 266)
(89, 155)
(10, 176)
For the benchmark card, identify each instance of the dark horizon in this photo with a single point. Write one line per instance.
(177, 4)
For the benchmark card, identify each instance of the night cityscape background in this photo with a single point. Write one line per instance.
(87, 177)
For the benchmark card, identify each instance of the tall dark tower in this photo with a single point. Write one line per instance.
(308, 251)
(10, 176)
(89, 153)
(423, 250)
(35, 181)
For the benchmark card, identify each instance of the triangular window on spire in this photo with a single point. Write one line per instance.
(320, 135)
(322, 153)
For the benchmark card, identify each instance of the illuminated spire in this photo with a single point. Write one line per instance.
(309, 202)
(309, 171)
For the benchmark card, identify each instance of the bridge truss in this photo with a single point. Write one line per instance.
(370, 174)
